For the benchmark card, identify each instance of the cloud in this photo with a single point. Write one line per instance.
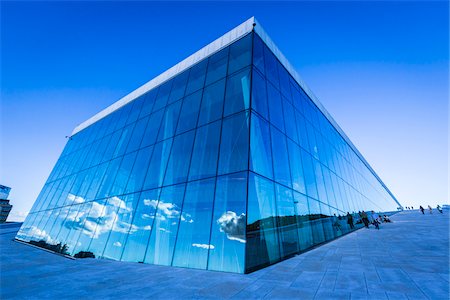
(117, 244)
(233, 226)
(203, 246)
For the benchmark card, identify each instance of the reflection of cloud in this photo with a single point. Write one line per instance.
(203, 246)
(39, 235)
(75, 199)
(233, 226)
(117, 244)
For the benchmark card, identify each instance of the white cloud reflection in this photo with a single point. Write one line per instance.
(233, 226)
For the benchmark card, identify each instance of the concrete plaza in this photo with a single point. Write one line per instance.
(406, 259)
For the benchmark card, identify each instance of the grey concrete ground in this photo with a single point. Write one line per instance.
(408, 259)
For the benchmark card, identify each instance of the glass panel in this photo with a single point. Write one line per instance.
(286, 221)
(275, 107)
(139, 170)
(285, 82)
(303, 221)
(95, 183)
(258, 53)
(295, 163)
(157, 166)
(240, 54)
(162, 240)
(123, 116)
(234, 144)
(212, 103)
(135, 110)
(178, 166)
(148, 102)
(260, 150)
(259, 95)
(217, 66)
(308, 169)
(170, 120)
(228, 226)
(121, 227)
(112, 144)
(108, 179)
(316, 221)
(197, 77)
(280, 158)
(163, 95)
(123, 141)
(189, 112)
(122, 174)
(237, 96)
(271, 64)
(151, 132)
(178, 86)
(137, 135)
(139, 234)
(205, 154)
(262, 237)
(192, 245)
(289, 120)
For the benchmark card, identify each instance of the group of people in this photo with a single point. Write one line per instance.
(438, 207)
(367, 219)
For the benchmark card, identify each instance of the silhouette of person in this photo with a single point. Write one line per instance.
(422, 210)
(350, 221)
(439, 208)
(430, 209)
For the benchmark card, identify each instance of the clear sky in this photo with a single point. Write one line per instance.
(380, 68)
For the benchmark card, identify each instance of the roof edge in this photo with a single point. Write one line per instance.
(215, 46)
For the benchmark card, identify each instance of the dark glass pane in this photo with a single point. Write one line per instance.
(205, 153)
(139, 234)
(228, 226)
(212, 103)
(260, 150)
(280, 158)
(151, 132)
(301, 129)
(124, 111)
(217, 66)
(262, 236)
(169, 122)
(162, 239)
(234, 144)
(259, 95)
(285, 82)
(237, 95)
(258, 53)
(197, 77)
(178, 166)
(275, 107)
(157, 166)
(137, 135)
(178, 86)
(139, 170)
(192, 245)
(286, 221)
(240, 54)
(189, 112)
(271, 64)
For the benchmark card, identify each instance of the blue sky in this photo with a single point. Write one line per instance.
(380, 68)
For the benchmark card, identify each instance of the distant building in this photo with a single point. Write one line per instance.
(5, 207)
(224, 162)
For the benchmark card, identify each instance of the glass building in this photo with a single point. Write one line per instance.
(224, 162)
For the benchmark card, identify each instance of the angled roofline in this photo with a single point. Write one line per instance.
(228, 38)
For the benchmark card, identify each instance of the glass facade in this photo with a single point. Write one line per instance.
(228, 166)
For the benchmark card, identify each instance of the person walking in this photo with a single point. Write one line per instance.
(430, 209)
(439, 208)
(422, 210)
(365, 219)
(350, 221)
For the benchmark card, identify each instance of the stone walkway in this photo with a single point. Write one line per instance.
(407, 259)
